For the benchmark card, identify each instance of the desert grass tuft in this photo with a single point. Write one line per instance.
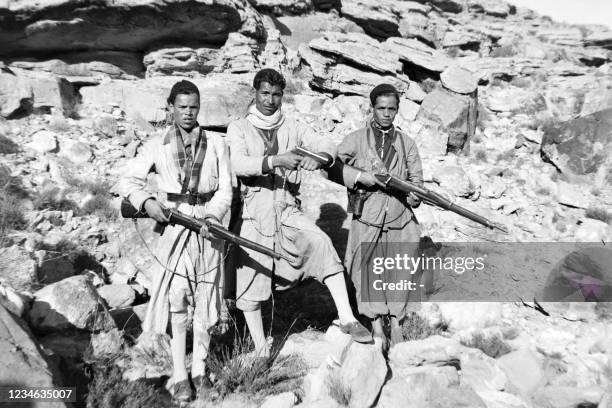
(493, 346)
(337, 390)
(414, 327)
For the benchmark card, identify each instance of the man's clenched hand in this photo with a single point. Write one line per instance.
(287, 160)
(155, 210)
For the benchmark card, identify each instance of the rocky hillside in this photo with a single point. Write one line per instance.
(512, 114)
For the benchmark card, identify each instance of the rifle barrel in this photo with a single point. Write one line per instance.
(433, 198)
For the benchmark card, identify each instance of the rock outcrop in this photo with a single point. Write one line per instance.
(31, 27)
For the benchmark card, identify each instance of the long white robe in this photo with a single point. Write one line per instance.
(178, 249)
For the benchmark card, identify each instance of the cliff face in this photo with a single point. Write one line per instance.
(511, 113)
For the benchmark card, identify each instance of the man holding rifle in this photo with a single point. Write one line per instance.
(380, 218)
(192, 174)
(261, 153)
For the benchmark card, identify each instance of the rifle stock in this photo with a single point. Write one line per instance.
(193, 224)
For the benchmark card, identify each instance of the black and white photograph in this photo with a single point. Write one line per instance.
(306, 203)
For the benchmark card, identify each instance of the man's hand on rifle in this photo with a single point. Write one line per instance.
(366, 179)
(308, 163)
(204, 230)
(155, 210)
(287, 160)
(413, 200)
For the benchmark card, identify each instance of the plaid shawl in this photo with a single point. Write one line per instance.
(189, 173)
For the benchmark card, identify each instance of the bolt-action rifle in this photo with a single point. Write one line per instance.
(193, 224)
(391, 184)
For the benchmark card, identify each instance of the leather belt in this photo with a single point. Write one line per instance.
(191, 199)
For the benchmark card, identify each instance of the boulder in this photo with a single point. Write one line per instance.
(50, 92)
(17, 269)
(75, 151)
(358, 48)
(13, 301)
(599, 39)
(417, 26)
(358, 359)
(580, 146)
(430, 136)
(523, 370)
(491, 7)
(88, 67)
(508, 99)
(461, 38)
(43, 141)
(435, 350)
(470, 315)
(54, 266)
(68, 304)
(15, 93)
(63, 25)
(176, 61)
(572, 195)
(377, 20)
(238, 55)
(481, 372)
(418, 54)
(460, 397)
(454, 179)
(283, 400)
(317, 347)
(303, 29)
(593, 231)
(120, 295)
(555, 396)
(500, 399)
(223, 97)
(283, 7)
(452, 6)
(345, 79)
(571, 36)
(457, 114)
(23, 363)
(416, 387)
(458, 80)
(582, 275)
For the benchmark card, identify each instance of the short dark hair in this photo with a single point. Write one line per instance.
(270, 76)
(384, 90)
(182, 88)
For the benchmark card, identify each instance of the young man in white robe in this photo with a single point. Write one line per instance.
(192, 175)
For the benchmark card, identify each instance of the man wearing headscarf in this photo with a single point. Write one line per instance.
(192, 175)
(380, 147)
(269, 172)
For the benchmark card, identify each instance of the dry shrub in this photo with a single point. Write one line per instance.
(236, 371)
(414, 327)
(11, 213)
(108, 389)
(54, 199)
(337, 390)
(493, 346)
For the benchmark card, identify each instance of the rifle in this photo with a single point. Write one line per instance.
(193, 224)
(432, 198)
(392, 183)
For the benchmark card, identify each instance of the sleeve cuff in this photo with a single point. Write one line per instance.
(138, 199)
(266, 165)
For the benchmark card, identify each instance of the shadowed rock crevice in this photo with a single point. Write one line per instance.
(102, 25)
